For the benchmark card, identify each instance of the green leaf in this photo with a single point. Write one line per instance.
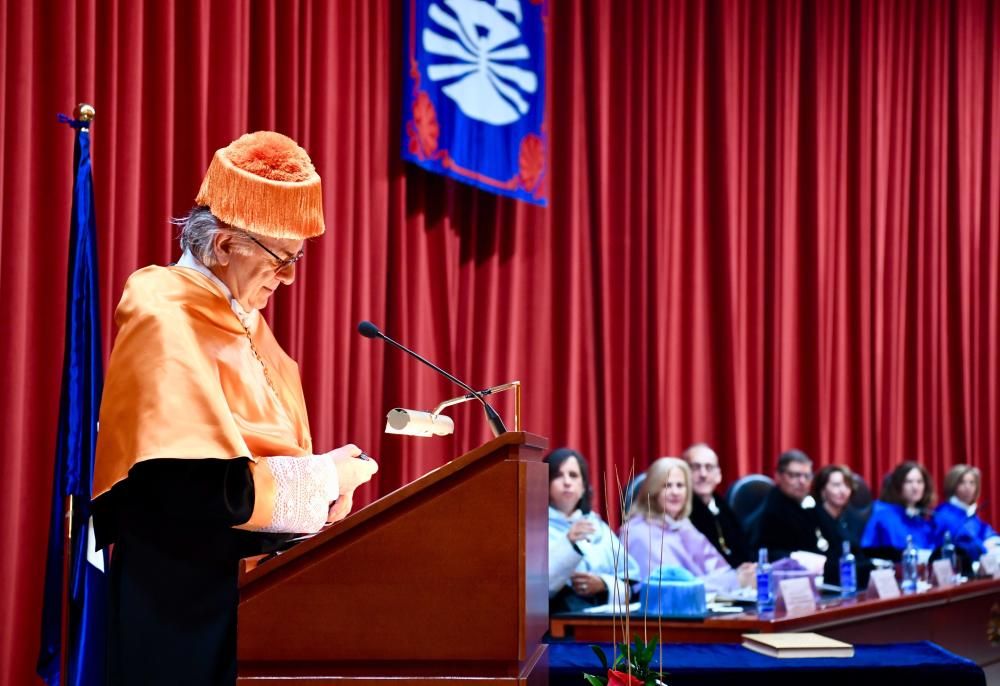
(595, 680)
(647, 654)
(600, 654)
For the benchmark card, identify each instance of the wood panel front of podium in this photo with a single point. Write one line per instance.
(444, 578)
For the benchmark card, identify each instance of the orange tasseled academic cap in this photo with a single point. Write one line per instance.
(265, 183)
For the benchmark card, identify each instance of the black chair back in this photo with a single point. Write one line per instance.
(631, 490)
(747, 494)
(861, 498)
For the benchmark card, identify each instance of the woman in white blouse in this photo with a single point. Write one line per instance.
(587, 565)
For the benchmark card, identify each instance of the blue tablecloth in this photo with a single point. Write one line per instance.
(907, 664)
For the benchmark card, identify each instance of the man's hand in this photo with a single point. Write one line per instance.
(340, 509)
(351, 471)
(747, 574)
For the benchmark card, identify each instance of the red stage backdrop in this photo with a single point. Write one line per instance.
(772, 224)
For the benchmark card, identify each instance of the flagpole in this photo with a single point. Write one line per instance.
(84, 113)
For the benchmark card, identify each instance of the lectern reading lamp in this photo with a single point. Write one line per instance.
(418, 423)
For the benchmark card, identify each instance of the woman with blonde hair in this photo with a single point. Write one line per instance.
(659, 530)
(957, 515)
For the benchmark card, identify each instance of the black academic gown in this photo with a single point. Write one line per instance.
(723, 530)
(785, 526)
(847, 527)
(176, 559)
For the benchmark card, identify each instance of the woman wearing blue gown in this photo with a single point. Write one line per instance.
(902, 510)
(957, 515)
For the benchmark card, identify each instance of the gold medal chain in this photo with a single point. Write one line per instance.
(253, 348)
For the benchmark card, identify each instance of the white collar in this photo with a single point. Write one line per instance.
(912, 511)
(189, 261)
(571, 517)
(712, 507)
(968, 509)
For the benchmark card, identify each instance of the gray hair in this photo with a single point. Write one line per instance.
(198, 231)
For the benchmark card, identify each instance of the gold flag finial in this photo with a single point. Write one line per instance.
(84, 112)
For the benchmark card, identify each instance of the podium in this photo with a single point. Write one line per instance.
(443, 579)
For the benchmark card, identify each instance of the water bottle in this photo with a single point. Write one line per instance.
(909, 566)
(765, 591)
(848, 572)
(948, 553)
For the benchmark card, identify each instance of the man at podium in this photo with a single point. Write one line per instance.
(204, 454)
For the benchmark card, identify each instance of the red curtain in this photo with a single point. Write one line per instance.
(773, 224)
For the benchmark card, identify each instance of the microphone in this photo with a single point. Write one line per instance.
(369, 330)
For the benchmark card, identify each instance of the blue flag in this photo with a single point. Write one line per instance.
(82, 382)
(474, 93)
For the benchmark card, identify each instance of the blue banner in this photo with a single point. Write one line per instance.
(82, 382)
(474, 93)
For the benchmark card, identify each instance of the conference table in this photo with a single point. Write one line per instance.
(955, 618)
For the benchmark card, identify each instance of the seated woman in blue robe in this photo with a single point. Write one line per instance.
(903, 509)
(957, 515)
(587, 564)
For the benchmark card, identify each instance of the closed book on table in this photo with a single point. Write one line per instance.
(803, 644)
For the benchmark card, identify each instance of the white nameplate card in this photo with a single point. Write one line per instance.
(883, 582)
(944, 573)
(798, 596)
(990, 563)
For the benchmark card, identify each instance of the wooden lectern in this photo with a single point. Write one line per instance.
(443, 579)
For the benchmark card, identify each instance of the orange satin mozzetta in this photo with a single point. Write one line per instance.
(183, 381)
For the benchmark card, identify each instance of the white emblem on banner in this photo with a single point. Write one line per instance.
(482, 41)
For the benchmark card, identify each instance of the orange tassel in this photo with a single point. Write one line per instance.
(266, 184)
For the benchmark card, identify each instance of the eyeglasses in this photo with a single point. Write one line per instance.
(709, 468)
(283, 263)
(803, 476)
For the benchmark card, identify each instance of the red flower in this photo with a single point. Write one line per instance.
(531, 161)
(616, 678)
(425, 118)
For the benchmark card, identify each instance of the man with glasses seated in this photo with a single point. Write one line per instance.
(204, 454)
(788, 520)
(712, 515)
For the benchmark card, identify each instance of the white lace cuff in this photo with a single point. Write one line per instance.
(304, 488)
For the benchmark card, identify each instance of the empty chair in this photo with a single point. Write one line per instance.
(747, 494)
